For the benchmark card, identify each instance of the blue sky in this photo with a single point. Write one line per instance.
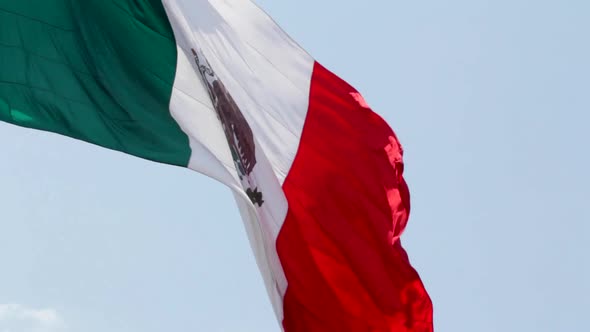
(491, 100)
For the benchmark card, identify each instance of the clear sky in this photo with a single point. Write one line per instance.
(491, 100)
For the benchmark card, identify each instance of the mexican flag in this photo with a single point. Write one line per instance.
(218, 87)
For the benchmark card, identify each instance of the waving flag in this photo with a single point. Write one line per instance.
(218, 87)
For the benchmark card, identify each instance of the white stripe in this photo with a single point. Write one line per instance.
(268, 75)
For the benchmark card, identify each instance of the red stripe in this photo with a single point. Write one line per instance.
(348, 204)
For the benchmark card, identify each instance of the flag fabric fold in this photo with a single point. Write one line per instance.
(218, 87)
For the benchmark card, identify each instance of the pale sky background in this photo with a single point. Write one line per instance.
(491, 100)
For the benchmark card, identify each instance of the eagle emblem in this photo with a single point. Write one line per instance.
(237, 132)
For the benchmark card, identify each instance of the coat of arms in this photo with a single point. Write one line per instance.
(237, 131)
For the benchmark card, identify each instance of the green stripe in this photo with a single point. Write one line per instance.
(97, 70)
